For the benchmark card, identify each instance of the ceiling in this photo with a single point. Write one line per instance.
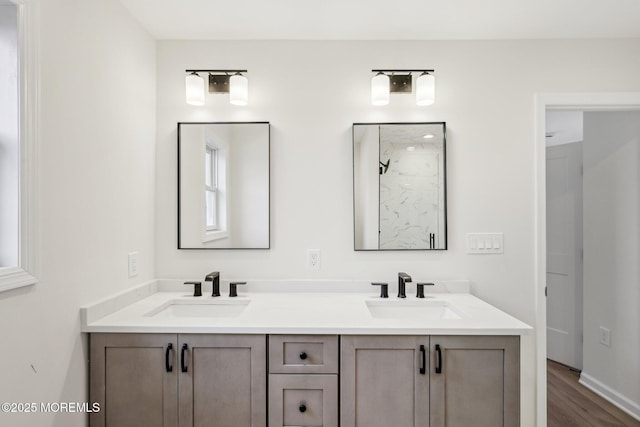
(387, 20)
(563, 127)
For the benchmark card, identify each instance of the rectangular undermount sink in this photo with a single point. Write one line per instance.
(209, 308)
(426, 309)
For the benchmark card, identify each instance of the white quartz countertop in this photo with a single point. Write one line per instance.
(149, 309)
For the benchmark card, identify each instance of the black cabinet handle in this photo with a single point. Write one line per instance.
(168, 366)
(303, 355)
(439, 364)
(423, 366)
(302, 407)
(183, 365)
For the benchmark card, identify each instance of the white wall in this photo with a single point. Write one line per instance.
(612, 251)
(366, 153)
(249, 191)
(97, 148)
(313, 91)
(9, 149)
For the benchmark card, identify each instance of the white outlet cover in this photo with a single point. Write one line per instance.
(605, 336)
(313, 259)
(133, 264)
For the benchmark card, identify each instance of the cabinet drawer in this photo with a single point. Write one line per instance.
(303, 400)
(303, 354)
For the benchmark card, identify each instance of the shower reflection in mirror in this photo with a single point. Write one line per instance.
(399, 181)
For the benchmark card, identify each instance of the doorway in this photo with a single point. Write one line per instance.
(563, 145)
(578, 102)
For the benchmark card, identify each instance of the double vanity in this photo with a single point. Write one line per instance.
(303, 354)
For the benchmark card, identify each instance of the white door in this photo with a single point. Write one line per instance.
(564, 254)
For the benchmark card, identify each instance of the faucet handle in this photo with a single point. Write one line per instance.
(420, 286)
(197, 288)
(384, 289)
(233, 290)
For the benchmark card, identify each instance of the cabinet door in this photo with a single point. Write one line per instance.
(475, 380)
(134, 379)
(384, 381)
(225, 383)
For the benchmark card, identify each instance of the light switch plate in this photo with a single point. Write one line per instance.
(485, 243)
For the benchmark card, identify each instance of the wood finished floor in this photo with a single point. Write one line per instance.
(571, 404)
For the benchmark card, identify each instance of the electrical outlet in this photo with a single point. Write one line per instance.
(313, 259)
(133, 264)
(605, 336)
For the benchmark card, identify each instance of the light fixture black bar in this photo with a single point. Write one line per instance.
(216, 71)
(402, 71)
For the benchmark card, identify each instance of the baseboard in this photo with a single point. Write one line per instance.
(627, 405)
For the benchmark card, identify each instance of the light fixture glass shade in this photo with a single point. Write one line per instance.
(380, 89)
(425, 89)
(238, 89)
(194, 89)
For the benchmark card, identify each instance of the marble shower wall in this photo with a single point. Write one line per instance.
(411, 193)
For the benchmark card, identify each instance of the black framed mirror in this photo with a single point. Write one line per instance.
(223, 185)
(399, 186)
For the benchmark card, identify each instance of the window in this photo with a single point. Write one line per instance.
(9, 142)
(18, 126)
(211, 188)
(215, 224)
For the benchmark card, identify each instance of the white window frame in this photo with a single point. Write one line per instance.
(220, 181)
(27, 271)
(212, 188)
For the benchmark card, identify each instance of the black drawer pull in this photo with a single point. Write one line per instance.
(423, 365)
(168, 365)
(183, 365)
(439, 364)
(303, 355)
(302, 408)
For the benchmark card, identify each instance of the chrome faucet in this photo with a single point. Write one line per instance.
(403, 279)
(214, 277)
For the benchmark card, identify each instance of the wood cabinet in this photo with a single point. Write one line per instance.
(475, 380)
(170, 380)
(465, 380)
(303, 380)
(384, 381)
(225, 381)
(129, 379)
(194, 380)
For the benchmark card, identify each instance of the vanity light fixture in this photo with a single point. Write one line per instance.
(380, 89)
(425, 89)
(232, 82)
(195, 89)
(401, 81)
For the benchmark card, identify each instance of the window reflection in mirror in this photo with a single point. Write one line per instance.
(223, 185)
(399, 177)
